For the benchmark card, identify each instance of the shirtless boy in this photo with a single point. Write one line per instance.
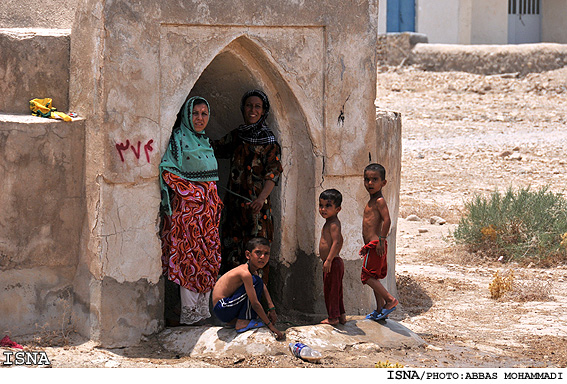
(329, 247)
(237, 293)
(375, 226)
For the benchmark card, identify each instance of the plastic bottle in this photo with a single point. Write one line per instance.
(305, 352)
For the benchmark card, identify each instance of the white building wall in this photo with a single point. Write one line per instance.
(382, 16)
(554, 21)
(489, 22)
(439, 20)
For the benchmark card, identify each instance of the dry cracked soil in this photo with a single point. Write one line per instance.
(463, 135)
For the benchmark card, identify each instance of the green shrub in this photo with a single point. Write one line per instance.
(523, 226)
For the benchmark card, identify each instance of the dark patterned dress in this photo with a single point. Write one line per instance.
(250, 167)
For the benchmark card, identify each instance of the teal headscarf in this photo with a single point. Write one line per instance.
(189, 154)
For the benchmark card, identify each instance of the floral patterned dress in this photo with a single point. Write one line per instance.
(190, 242)
(250, 167)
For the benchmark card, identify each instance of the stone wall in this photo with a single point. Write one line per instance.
(35, 64)
(410, 48)
(396, 48)
(134, 64)
(42, 200)
(490, 59)
(58, 14)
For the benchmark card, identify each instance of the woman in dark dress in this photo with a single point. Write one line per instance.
(255, 169)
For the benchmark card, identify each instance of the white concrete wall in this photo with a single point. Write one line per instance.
(554, 21)
(317, 62)
(439, 20)
(382, 16)
(489, 21)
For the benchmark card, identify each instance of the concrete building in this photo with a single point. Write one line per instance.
(477, 21)
(79, 218)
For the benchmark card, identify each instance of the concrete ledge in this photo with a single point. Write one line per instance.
(395, 48)
(490, 59)
(35, 64)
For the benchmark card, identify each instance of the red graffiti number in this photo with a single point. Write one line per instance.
(121, 147)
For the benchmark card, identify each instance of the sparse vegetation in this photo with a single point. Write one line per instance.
(507, 286)
(387, 364)
(501, 283)
(523, 226)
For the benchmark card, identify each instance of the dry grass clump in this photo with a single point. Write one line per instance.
(387, 364)
(501, 284)
(506, 287)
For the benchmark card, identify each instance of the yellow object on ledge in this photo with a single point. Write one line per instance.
(43, 108)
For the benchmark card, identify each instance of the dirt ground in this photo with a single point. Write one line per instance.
(463, 134)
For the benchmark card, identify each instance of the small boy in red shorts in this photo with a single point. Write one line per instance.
(330, 245)
(375, 226)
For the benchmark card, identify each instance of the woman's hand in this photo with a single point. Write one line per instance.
(256, 205)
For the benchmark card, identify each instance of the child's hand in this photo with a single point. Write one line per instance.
(327, 266)
(279, 335)
(272, 316)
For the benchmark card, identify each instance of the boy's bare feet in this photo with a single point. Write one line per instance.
(334, 321)
(241, 323)
(342, 319)
(391, 304)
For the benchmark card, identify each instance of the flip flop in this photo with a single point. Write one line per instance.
(384, 314)
(373, 315)
(253, 324)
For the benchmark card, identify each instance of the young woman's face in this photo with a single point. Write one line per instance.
(200, 117)
(253, 109)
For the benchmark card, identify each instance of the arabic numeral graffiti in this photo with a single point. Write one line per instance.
(136, 149)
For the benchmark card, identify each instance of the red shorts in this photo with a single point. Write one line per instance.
(373, 265)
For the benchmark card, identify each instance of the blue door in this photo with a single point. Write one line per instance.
(524, 21)
(400, 16)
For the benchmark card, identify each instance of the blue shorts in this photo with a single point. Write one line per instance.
(238, 305)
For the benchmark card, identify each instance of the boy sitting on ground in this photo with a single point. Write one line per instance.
(237, 293)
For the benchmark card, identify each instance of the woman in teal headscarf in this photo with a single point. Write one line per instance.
(190, 211)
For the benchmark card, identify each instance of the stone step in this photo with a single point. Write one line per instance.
(34, 64)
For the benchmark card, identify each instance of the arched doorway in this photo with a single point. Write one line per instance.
(239, 66)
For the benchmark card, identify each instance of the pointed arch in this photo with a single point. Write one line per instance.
(243, 64)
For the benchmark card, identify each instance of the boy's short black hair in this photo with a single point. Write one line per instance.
(333, 195)
(256, 241)
(378, 168)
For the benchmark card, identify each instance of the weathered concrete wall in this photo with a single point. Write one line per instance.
(33, 14)
(489, 22)
(34, 64)
(490, 59)
(439, 20)
(396, 48)
(554, 14)
(41, 217)
(133, 65)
